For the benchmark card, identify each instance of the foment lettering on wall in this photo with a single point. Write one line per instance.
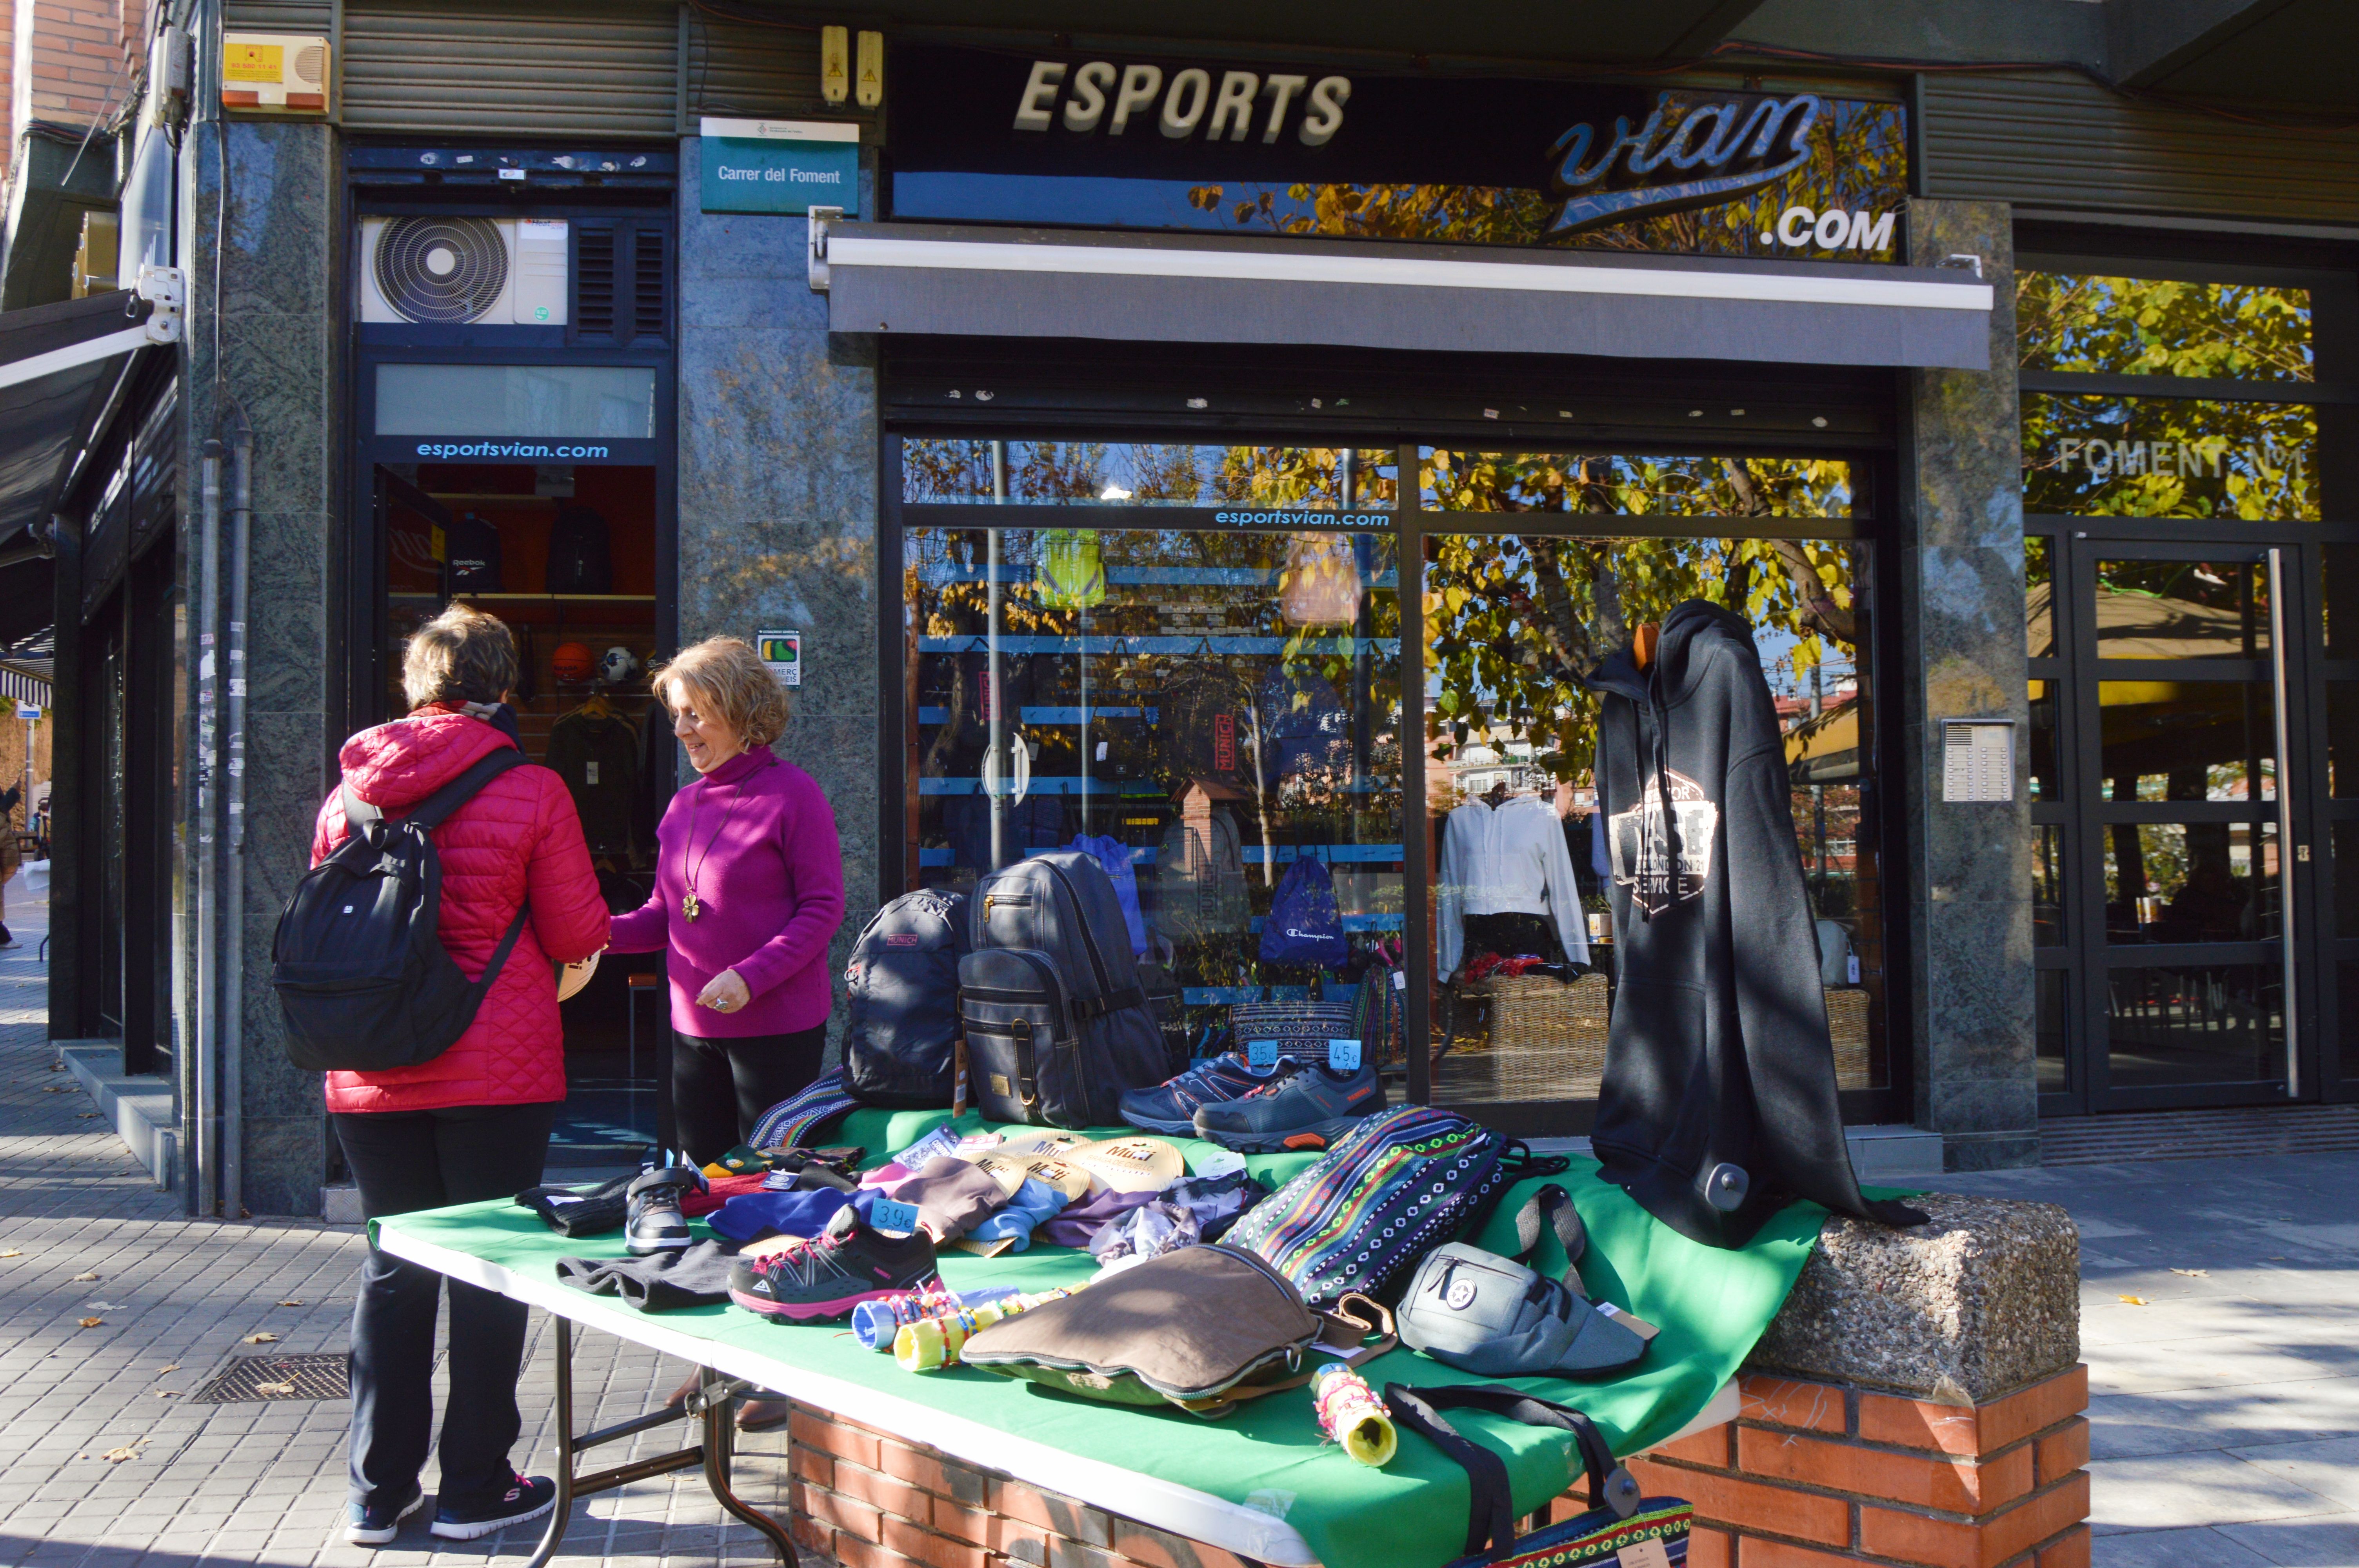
(1101, 96)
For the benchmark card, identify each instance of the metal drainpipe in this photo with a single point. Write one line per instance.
(233, 1032)
(203, 1195)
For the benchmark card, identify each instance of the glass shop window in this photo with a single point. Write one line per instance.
(1510, 734)
(2099, 455)
(2100, 325)
(1212, 712)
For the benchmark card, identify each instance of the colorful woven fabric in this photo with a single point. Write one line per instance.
(1394, 1188)
(790, 1123)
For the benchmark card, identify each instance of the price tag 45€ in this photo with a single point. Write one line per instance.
(1344, 1055)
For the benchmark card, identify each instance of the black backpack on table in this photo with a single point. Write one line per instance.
(1058, 1024)
(901, 1013)
(358, 963)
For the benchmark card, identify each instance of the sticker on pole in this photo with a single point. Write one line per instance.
(29, 710)
(783, 652)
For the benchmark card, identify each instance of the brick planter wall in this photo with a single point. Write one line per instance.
(1811, 1475)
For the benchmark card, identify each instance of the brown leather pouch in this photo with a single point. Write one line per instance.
(1201, 1327)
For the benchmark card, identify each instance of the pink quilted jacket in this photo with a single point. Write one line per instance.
(519, 835)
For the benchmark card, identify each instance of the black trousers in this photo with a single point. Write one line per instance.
(408, 1159)
(720, 1087)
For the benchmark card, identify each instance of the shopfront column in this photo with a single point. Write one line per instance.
(777, 496)
(1962, 613)
(280, 315)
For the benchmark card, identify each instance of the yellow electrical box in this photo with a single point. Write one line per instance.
(276, 73)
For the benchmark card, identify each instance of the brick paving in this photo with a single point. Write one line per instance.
(104, 1462)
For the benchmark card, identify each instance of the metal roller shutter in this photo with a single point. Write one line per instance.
(2062, 141)
(746, 72)
(281, 16)
(594, 67)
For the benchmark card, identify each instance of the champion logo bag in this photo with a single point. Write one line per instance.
(1391, 1190)
(358, 962)
(901, 1001)
(1305, 924)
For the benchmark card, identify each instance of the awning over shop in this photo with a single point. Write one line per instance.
(1021, 283)
(57, 363)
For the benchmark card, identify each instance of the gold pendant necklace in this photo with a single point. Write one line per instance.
(691, 905)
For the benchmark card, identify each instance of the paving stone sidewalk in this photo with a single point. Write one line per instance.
(104, 1462)
(2225, 1411)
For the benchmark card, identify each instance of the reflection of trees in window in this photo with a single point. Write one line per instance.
(2119, 456)
(1858, 165)
(1514, 623)
(952, 470)
(2128, 326)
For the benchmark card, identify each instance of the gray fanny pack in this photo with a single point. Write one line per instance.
(1497, 1317)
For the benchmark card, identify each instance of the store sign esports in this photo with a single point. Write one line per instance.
(1270, 149)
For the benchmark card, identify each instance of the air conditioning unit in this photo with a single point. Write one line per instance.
(285, 72)
(456, 272)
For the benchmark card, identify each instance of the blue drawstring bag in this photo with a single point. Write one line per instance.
(1305, 925)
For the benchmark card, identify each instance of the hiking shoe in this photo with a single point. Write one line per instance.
(525, 1498)
(822, 1280)
(1171, 1106)
(655, 1222)
(1308, 1109)
(373, 1524)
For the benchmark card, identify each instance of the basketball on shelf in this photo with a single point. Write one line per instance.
(572, 663)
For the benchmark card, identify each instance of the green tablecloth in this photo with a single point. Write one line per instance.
(1709, 1304)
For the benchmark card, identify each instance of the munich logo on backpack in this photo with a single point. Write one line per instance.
(358, 962)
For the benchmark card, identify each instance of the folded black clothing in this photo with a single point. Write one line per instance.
(665, 1283)
(581, 1211)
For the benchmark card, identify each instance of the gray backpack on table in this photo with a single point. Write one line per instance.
(901, 991)
(1058, 1024)
(1496, 1317)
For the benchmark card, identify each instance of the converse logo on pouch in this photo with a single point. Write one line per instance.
(1344, 1055)
(1640, 843)
(1261, 1056)
(898, 1218)
(1460, 1296)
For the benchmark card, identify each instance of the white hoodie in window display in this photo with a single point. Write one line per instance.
(1507, 859)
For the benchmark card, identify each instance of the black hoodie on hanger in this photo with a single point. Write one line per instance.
(1718, 1053)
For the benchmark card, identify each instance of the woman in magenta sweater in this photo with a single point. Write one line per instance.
(749, 892)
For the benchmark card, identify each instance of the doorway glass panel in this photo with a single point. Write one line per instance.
(2197, 1024)
(2188, 740)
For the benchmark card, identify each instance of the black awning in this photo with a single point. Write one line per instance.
(57, 363)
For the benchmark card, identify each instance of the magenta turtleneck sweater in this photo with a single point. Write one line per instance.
(768, 870)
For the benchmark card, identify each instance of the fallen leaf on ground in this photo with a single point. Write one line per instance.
(57, 1088)
(2135, 1300)
(274, 1388)
(260, 1339)
(87, 1115)
(2194, 1273)
(129, 1451)
(290, 1304)
(167, 1367)
(13, 1252)
(80, 1277)
(167, 1393)
(92, 1321)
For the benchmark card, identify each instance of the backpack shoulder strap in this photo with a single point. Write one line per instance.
(431, 812)
(358, 813)
(1491, 1511)
(1553, 1204)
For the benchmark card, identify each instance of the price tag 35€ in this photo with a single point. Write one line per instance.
(1261, 1056)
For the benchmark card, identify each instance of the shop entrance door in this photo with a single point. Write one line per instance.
(2176, 964)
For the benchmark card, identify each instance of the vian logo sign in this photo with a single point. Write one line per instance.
(1641, 849)
(1672, 162)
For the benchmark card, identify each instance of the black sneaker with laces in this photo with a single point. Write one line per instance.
(655, 1222)
(526, 1497)
(374, 1524)
(822, 1280)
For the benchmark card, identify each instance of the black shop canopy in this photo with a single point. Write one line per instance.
(58, 363)
(957, 281)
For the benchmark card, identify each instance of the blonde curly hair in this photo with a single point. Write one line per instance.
(730, 681)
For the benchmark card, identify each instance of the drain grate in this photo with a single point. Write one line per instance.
(249, 1380)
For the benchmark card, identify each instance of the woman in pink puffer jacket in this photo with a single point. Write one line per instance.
(473, 1123)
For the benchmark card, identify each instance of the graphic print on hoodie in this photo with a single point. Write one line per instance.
(1718, 1052)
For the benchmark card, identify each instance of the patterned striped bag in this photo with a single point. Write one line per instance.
(1621, 1527)
(1391, 1190)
